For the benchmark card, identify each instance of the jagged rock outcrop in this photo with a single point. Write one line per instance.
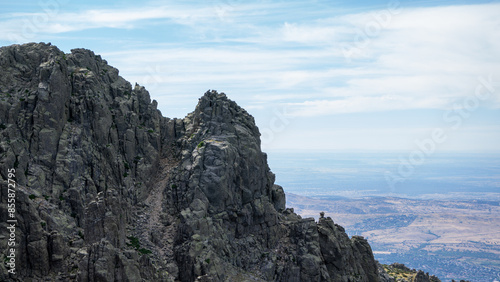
(110, 190)
(398, 272)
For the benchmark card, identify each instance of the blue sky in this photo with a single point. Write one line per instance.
(321, 75)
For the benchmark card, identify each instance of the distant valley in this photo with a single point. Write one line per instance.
(452, 238)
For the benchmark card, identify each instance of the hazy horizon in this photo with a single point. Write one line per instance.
(348, 174)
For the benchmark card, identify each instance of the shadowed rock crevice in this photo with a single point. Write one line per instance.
(110, 190)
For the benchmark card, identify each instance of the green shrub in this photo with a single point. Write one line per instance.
(134, 242)
(137, 159)
(144, 251)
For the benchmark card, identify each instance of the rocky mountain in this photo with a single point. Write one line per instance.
(107, 189)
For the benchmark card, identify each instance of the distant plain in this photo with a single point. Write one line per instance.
(444, 218)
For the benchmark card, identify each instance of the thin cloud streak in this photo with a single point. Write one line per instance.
(127, 18)
(364, 104)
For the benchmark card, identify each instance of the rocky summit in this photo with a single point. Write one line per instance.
(107, 189)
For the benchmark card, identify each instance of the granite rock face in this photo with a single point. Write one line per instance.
(110, 190)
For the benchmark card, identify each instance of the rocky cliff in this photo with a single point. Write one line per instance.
(110, 190)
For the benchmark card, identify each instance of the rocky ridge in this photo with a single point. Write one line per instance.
(110, 190)
(398, 272)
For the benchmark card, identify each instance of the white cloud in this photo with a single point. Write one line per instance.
(309, 35)
(25, 26)
(364, 104)
(398, 59)
(423, 58)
